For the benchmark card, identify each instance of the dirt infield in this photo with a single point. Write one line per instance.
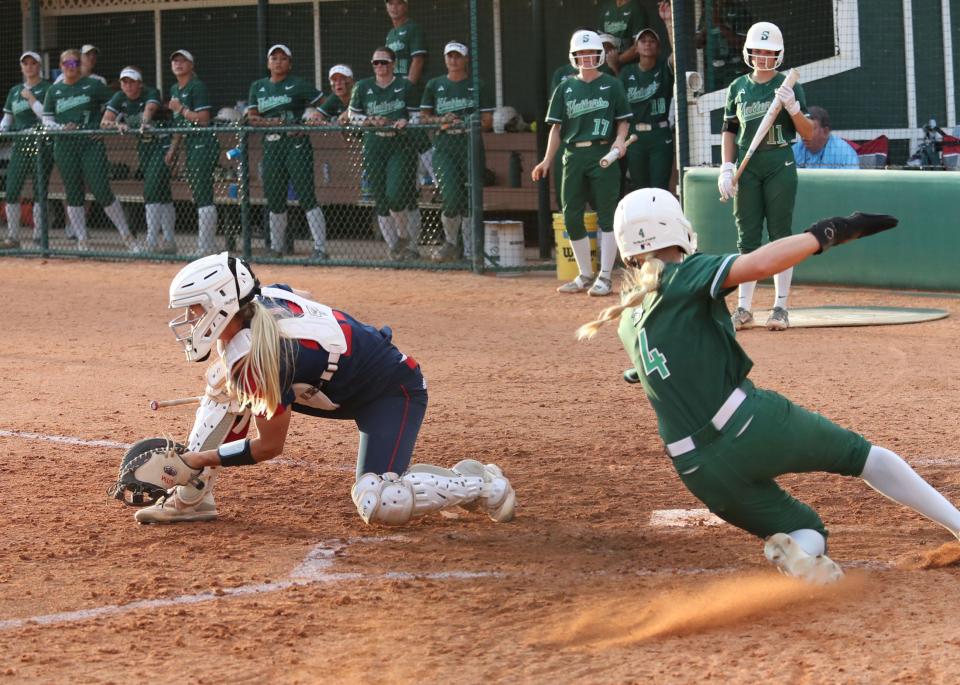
(289, 586)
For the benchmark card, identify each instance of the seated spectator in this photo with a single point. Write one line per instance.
(823, 150)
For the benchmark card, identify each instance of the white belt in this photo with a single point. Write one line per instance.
(719, 420)
(589, 143)
(649, 127)
(385, 134)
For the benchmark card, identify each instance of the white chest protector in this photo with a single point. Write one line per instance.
(316, 323)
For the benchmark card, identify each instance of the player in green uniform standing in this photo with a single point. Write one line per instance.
(22, 111)
(337, 103)
(74, 104)
(137, 108)
(718, 427)
(623, 19)
(279, 100)
(768, 187)
(590, 116)
(385, 102)
(449, 101)
(649, 86)
(191, 107)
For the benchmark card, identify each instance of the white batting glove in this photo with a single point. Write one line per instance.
(789, 100)
(725, 181)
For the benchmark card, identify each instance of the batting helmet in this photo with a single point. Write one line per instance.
(586, 40)
(649, 219)
(130, 489)
(219, 285)
(763, 36)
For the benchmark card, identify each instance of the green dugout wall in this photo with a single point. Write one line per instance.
(921, 253)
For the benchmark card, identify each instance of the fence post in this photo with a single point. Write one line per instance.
(243, 194)
(40, 181)
(476, 143)
(680, 52)
(544, 218)
(35, 25)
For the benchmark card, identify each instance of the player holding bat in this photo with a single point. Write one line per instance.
(767, 187)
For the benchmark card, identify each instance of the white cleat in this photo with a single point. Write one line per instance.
(779, 320)
(601, 287)
(741, 318)
(577, 285)
(172, 509)
(791, 560)
(498, 497)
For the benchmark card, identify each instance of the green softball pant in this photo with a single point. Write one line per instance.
(156, 173)
(391, 166)
(584, 180)
(288, 161)
(202, 152)
(650, 159)
(83, 160)
(767, 190)
(451, 163)
(732, 471)
(23, 165)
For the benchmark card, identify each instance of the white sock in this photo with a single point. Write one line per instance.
(781, 283)
(400, 224)
(451, 227)
(745, 295)
(388, 230)
(119, 219)
(207, 230)
(318, 228)
(581, 253)
(37, 220)
(810, 541)
(78, 221)
(892, 477)
(154, 216)
(608, 253)
(13, 220)
(278, 232)
(466, 227)
(414, 222)
(168, 220)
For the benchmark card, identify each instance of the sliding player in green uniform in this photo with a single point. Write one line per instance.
(728, 439)
(278, 100)
(74, 104)
(649, 86)
(191, 107)
(590, 116)
(136, 108)
(449, 101)
(23, 111)
(768, 187)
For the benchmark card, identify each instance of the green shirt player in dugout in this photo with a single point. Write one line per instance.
(282, 100)
(768, 187)
(23, 110)
(729, 440)
(623, 19)
(589, 117)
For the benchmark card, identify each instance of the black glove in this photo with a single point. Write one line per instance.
(843, 229)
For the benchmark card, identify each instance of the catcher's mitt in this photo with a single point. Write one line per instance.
(150, 468)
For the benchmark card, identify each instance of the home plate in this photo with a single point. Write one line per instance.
(684, 518)
(818, 317)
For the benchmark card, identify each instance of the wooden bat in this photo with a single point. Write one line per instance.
(160, 404)
(614, 155)
(792, 77)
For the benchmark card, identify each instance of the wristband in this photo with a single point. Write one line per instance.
(236, 453)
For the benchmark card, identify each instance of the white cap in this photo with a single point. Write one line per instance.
(280, 46)
(647, 30)
(341, 69)
(186, 55)
(31, 53)
(607, 38)
(454, 46)
(130, 72)
(89, 48)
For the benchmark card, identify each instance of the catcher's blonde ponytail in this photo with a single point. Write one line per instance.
(638, 283)
(256, 377)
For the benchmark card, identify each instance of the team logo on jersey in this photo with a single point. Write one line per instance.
(635, 94)
(578, 108)
(66, 104)
(752, 110)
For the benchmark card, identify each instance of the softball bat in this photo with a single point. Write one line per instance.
(614, 154)
(160, 404)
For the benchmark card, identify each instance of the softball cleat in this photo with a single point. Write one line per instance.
(791, 560)
(779, 320)
(601, 287)
(172, 509)
(577, 285)
(741, 318)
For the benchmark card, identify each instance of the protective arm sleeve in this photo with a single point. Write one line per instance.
(50, 123)
(37, 108)
(5, 122)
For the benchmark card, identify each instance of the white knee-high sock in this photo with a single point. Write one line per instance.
(154, 215)
(892, 477)
(78, 221)
(581, 253)
(388, 230)
(466, 227)
(318, 228)
(119, 219)
(608, 253)
(207, 229)
(781, 283)
(810, 541)
(278, 232)
(414, 222)
(38, 219)
(451, 227)
(745, 295)
(400, 223)
(13, 220)
(168, 221)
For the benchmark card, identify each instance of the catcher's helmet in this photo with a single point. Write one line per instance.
(129, 489)
(649, 219)
(220, 284)
(763, 36)
(586, 40)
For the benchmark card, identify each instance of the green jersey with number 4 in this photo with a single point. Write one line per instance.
(648, 92)
(748, 101)
(23, 116)
(284, 99)
(676, 339)
(407, 42)
(588, 111)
